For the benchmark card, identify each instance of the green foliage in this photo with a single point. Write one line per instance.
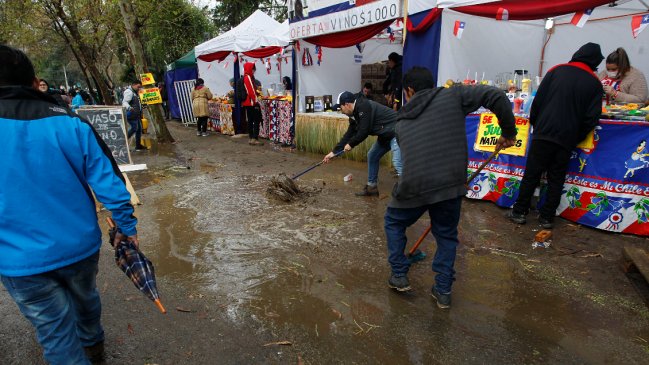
(172, 30)
(229, 13)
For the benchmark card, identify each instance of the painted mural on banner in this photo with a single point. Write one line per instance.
(310, 18)
(607, 187)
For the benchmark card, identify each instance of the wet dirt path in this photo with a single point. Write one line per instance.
(254, 271)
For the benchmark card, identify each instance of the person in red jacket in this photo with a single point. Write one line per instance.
(250, 104)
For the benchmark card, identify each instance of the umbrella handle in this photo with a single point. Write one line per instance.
(160, 306)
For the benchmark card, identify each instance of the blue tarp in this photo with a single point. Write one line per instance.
(422, 49)
(172, 76)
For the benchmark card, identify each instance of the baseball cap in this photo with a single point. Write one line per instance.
(344, 98)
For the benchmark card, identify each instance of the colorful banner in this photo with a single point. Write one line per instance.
(310, 18)
(147, 79)
(489, 131)
(607, 187)
(150, 95)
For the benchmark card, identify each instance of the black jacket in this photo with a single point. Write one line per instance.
(568, 103)
(393, 83)
(370, 119)
(431, 132)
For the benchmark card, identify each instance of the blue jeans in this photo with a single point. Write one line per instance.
(64, 307)
(444, 218)
(374, 158)
(136, 128)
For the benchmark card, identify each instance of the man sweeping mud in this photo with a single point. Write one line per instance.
(431, 134)
(368, 118)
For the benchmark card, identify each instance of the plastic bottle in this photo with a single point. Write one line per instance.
(527, 107)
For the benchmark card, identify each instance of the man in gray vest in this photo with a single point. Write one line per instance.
(368, 118)
(131, 103)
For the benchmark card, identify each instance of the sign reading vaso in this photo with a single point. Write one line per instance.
(332, 16)
(108, 121)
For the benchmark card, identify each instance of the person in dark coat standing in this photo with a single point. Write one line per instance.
(392, 86)
(567, 106)
(431, 133)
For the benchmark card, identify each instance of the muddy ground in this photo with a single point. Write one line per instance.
(239, 272)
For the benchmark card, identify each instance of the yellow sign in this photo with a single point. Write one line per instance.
(489, 132)
(589, 142)
(151, 95)
(147, 79)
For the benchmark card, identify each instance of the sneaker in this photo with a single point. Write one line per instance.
(198, 134)
(515, 217)
(546, 223)
(204, 134)
(95, 353)
(140, 148)
(443, 300)
(399, 283)
(369, 191)
(251, 142)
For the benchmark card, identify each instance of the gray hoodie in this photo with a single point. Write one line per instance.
(432, 138)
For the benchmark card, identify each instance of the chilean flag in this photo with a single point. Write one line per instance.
(502, 14)
(639, 23)
(458, 29)
(581, 17)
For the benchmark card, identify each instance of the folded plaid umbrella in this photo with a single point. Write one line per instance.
(135, 265)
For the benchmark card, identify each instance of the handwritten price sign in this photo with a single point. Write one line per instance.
(147, 79)
(489, 131)
(150, 95)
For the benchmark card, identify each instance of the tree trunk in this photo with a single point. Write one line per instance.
(134, 40)
(56, 10)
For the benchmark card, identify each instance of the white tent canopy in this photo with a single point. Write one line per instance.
(258, 30)
(493, 47)
(281, 34)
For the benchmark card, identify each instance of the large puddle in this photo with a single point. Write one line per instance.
(314, 273)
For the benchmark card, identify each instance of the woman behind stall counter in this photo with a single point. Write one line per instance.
(623, 83)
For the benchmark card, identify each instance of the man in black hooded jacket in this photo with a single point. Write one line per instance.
(567, 106)
(432, 136)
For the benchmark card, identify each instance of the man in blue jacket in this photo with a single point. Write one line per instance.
(49, 235)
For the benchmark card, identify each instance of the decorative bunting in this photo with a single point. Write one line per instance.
(502, 14)
(268, 66)
(318, 52)
(638, 24)
(458, 29)
(391, 33)
(307, 60)
(580, 18)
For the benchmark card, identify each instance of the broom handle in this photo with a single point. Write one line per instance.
(482, 165)
(316, 165)
(471, 177)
